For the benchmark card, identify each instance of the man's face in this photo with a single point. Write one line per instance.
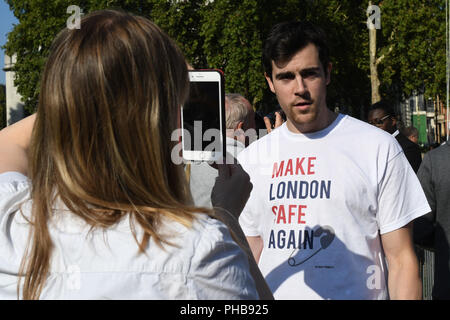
(244, 131)
(300, 86)
(250, 120)
(380, 119)
(414, 138)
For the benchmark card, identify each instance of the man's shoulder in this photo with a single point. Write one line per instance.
(442, 153)
(355, 123)
(262, 145)
(405, 142)
(365, 141)
(442, 149)
(349, 129)
(364, 131)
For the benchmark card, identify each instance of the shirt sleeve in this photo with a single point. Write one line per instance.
(12, 177)
(14, 189)
(401, 198)
(248, 219)
(220, 269)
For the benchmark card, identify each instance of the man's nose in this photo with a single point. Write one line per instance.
(300, 86)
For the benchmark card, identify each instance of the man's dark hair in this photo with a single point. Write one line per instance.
(287, 38)
(411, 131)
(383, 105)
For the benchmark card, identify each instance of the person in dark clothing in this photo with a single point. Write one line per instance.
(412, 134)
(433, 229)
(382, 116)
(411, 150)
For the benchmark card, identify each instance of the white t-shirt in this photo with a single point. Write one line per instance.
(320, 201)
(204, 263)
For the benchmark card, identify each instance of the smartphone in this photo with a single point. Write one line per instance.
(203, 117)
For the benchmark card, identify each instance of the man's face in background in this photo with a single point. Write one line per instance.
(380, 119)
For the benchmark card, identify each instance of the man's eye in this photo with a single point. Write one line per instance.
(310, 74)
(287, 77)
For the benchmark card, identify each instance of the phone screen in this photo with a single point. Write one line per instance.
(201, 113)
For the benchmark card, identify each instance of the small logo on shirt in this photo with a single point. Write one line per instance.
(326, 234)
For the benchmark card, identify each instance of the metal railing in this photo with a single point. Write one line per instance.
(426, 269)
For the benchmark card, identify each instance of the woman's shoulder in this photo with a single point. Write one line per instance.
(14, 191)
(204, 232)
(199, 242)
(12, 181)
(14, 205)
(216, 259)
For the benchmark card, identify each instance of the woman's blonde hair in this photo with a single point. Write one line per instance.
(101, 143)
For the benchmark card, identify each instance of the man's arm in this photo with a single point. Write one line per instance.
(403, 279)
(14, 143)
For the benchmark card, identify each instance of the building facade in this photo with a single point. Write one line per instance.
(14, 104)
(429, 116)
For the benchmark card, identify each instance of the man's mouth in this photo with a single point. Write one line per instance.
(303, 104)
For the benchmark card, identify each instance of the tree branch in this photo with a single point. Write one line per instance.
(378, 61)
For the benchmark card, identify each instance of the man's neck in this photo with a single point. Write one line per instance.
(322, 122)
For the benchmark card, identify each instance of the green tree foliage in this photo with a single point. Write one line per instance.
(229, 34)
(182, 20)
(233, 42)
(344, 21)
(234, 32)
(39, 22)
(412, 44)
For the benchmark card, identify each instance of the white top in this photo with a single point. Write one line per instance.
(320, 202)
(106, 265)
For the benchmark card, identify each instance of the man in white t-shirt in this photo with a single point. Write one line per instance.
(333, 198)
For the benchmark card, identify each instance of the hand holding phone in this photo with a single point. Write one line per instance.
(203, 117)
(232, 189)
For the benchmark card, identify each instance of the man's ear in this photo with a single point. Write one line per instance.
(240, 125)
(329, 68)
(269, 81)
(394, 121)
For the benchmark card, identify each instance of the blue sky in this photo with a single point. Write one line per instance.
(7, 21)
